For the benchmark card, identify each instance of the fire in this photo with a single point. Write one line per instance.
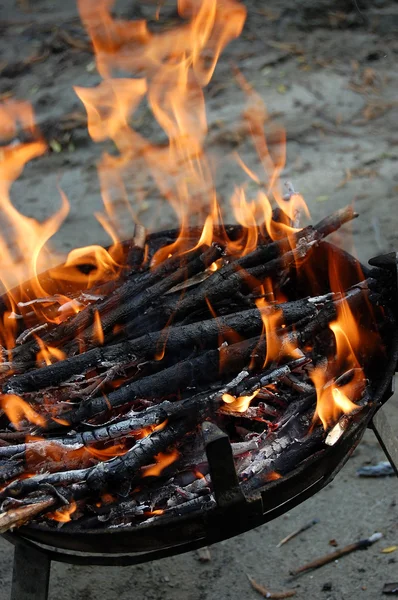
(106, 453)
(240, 404)
(163, 460)
(48, 354)
(20, 254)
(172, 73)
(23, 248)
(63, 515)
(277, 343)
(8, 330)
(168, 71)
(154, 513)
(334, 400)
(292, 204)
(98, 331)
(342, 402)
(145, 431)
(17, 410)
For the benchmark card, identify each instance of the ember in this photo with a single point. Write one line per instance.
(118, 363)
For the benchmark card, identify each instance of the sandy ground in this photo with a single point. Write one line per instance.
(326, 71)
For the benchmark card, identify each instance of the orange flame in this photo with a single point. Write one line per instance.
(106, 453)
(48, 354)
(174, 66)
(17, 410)
(333, 400)
(163, 460)
(63, 514)
(22, 247)
(277, 343)
(98, 332)
(291, 203)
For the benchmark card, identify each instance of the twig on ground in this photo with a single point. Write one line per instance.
(266, 593)
(324, 560)
(297, 532)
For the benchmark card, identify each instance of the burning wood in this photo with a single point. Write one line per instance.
(140, 397)
(113, 361)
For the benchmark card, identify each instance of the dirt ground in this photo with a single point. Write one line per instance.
(326, 71)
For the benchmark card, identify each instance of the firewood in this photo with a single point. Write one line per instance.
(131, 289)
(203, 403)
(171, 339)
(176, 355)
(19, 516)
(230, 279)
(114, 471)
(324, 560)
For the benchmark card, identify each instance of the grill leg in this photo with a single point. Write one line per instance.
(31, 574)
(386, 437)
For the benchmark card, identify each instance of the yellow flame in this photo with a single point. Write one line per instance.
(240, 404)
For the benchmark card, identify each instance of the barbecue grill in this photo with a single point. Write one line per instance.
(235, 512)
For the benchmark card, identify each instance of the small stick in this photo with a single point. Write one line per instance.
(17, 517)
(297, 532)
(267, 593)
(324, 560)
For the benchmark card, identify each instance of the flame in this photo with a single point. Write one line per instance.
(342, 402)
(333, 400)
(172, 67)
(106, 453)
(292, 204)
(245, 214)
(98, 332)
(17, 410)
(48, 354)
(63, 515)
(240, 404)
(278, 345)
(145, 431)
(23, 246)
(8, 331)
(49, 454)
(163, 460)
(85, 266)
